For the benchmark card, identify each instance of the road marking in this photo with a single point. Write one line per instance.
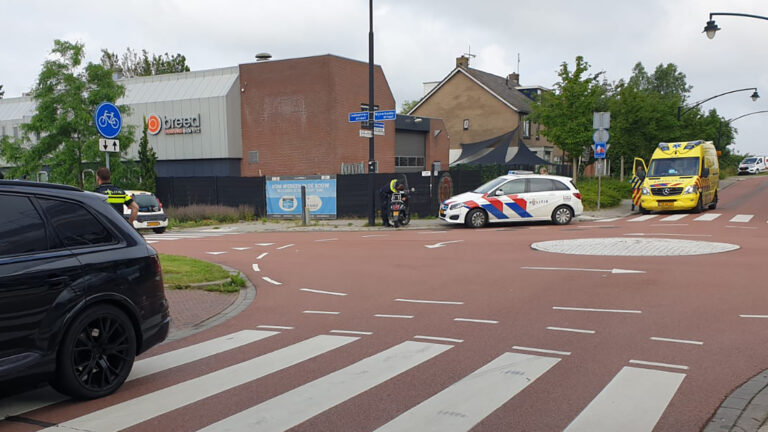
(633, 401)
(642, 218)
(137, 410)
(669, 234)
(465, 403)
(286, 246)
(275, 327)
(482, 321)
(432, 232)
(753, 316)
(683, 341)
(263, 244)
(614, 271)
(742, 218)
(351, 332)
(241, 248)
(300, 404)
(708, 217)
(442, 244)
(647, 363)
(255, 267)
(215, 253)
(375, 235)
(262, 255)
(273, 282)
(321, 312)
(539, 350)
(741, 227)
(571, 330)
(668, 225)
(393, 316)
(151, 241)
(609, 219)
(322, 292)
(163, 238)
(40, 398)
(430, 301)
(676, 217)
(439, 339)
(596, 310)
(326, 240)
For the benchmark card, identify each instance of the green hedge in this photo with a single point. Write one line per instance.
(612, 191)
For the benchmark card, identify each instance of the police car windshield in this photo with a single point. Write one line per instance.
(144, 200)
(491, 185)
(750, 161)
(674, 167)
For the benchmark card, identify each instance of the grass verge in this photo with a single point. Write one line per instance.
(180, 272)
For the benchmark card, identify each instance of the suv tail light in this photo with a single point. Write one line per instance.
(577, 195)
(158, 266)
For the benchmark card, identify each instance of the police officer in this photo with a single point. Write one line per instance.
(385, 193)
(116, 197)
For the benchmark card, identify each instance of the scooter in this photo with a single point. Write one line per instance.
(399, 213)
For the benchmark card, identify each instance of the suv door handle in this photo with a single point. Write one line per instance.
(57, 282)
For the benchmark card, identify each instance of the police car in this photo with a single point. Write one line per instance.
(151, 214)
(515, 197)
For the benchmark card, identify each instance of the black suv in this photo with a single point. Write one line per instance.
(81, 292)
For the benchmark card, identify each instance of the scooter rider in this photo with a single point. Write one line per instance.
(385, 193)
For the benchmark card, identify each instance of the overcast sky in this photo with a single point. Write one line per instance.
(418, 40)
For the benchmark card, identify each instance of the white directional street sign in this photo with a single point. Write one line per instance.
(109, 145)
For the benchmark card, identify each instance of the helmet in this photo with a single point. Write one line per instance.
(400, 187)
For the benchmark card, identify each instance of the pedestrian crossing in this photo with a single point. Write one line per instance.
(633, 400)
(687, 217)
(185, 235)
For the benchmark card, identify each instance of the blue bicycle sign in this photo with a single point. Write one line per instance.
(108, 120)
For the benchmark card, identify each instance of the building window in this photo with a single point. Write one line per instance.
(526, 128)
(253, 157)
(409, 161)
(538, 130)
(15, 131)
(466, 124)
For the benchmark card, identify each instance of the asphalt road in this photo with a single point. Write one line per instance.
(632, 324)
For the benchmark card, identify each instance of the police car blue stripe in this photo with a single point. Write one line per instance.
(519, 210)
(494, 211)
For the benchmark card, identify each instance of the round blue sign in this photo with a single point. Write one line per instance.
(108, 120)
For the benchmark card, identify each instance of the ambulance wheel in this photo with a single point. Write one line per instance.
(713, 204)
(644, 210)
(699, 205)
(476, 218)
(562, 215)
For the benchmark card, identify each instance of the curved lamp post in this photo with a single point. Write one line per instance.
(729, 121)
(711, 28)
(680, 110)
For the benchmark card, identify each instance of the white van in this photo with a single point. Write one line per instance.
(753, 165)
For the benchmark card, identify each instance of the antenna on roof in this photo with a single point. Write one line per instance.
(469, 54)
(518, 62)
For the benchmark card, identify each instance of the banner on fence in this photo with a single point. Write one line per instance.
(284, 196)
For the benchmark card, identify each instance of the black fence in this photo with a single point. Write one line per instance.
(351, 190)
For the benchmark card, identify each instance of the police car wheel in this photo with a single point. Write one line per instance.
(562, 215)
(476, 218)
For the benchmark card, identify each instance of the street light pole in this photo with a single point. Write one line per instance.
(371, 156)
(711, 28)
(720, 129)
(681, 112)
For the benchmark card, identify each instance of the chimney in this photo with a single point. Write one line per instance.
(462, 62)
(513, 79)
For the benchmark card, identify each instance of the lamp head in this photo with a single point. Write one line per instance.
(711, 28)
(755, 96)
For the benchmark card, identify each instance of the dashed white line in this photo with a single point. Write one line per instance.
(647, 363)
(429, 301)
(351, 332)
(326, 240)
(321, 312)
(215, 253)
(608, 220)
(322, 292)
(753, 316)
(742, 218)
(708, 217)
(262, 255)
(255, 267)
(692, 342)
(275, 327)
(441, 339)
(482, 321)
(596, 310)
(642, 218)
(520, 348)
(374, 235)
(676, 217)
(286, 246)
(741, 227)
(393, 316)
(571, 330)
(272, 281)
(241, 248)
(263, 244)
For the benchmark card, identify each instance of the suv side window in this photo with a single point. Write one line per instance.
(74, 224)
(21, 228)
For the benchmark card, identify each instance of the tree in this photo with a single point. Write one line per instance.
(666, 81)
(66, 95)
(567, 112)
(147, 159)
(408, 105)
(131, 64)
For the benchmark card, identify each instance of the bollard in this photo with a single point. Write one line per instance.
(304, 206)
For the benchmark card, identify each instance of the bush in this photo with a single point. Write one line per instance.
(214, 213)
(612, 191)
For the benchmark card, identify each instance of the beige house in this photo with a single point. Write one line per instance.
(486, 118)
